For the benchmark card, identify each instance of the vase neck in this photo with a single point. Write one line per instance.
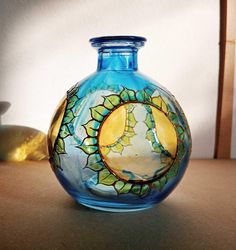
(117, 59)
(118, 53)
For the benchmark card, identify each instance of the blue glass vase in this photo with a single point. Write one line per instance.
(118, 140)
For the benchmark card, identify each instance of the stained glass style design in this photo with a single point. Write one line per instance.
(120, 146)
(109, 135)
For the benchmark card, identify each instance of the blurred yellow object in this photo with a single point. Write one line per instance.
(19, 143)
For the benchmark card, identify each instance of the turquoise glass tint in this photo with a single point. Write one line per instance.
(119, 141)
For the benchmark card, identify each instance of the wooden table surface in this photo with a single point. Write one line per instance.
(36, 213)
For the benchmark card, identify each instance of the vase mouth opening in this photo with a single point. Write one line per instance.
(118, 41)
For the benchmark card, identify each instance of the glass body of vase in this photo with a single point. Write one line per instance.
(118, 140)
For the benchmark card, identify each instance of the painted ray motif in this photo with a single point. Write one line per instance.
(90, 145)
(62, 127)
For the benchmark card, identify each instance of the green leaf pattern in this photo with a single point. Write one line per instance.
(59, 147)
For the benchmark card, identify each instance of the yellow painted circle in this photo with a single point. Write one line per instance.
(165, 131)
(56, 123)
(113, 127)
(136, 160)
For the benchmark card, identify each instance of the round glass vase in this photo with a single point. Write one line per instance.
(119, 141)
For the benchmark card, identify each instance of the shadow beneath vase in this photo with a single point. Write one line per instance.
(147, 229)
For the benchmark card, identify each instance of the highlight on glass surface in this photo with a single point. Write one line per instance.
(118, 140)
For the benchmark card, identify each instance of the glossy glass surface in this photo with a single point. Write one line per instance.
(119, 141)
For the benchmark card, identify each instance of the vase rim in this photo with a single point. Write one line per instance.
(102, 39)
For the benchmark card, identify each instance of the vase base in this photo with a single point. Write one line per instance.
(113, 207)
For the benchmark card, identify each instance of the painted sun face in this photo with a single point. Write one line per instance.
(133, 141)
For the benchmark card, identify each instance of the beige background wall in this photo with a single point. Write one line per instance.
(44, 50)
